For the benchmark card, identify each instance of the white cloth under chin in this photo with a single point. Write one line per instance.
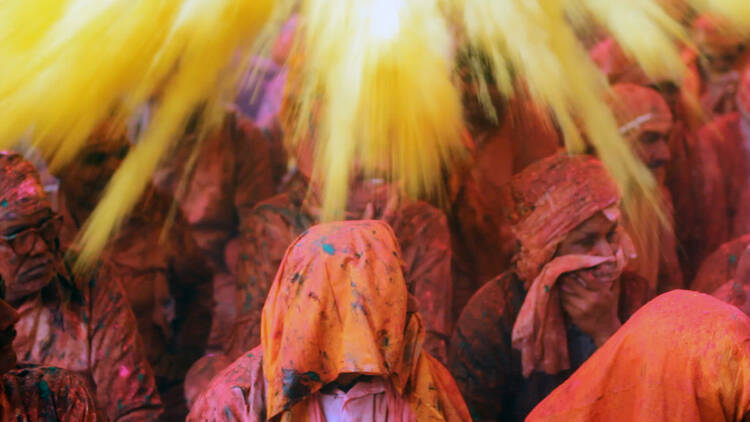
(368, 401)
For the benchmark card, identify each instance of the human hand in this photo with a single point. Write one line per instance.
(591, 304)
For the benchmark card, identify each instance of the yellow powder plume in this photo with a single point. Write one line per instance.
(69, 64)
(377, 74)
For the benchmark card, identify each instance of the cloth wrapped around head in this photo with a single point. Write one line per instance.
(21, 190)
(639, 109)
(551, 198)
(339, 304)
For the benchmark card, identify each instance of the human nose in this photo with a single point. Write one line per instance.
(603, 248)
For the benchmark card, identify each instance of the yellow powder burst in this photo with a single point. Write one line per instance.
(380, 76)
(67, 65)
(377, 74)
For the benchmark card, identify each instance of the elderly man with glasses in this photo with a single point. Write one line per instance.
(83, 325)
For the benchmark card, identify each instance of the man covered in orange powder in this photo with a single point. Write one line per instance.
(341, 340)
(565, 295)
(693, 175)
(231, 174)
(164, 274)
(228, 174)
(685, 356)
(81, 324)
(724, 55)
(729, 137)
(646, 122)
(520, 135)
(33, 393)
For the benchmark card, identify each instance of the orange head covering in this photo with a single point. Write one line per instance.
(21, 191)
(552, 197)
(339, 304)
(639, 109)
(743, 94)
(684, 356)
(616, 66)
(714, 38)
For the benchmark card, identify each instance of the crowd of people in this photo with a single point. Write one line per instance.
(527, 292)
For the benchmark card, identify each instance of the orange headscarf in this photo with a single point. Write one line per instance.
(339, 304)
(21, 190)
(639, 109)
(684, 356)
(552, 197)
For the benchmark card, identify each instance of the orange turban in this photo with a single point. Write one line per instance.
(339, 304)
(550, 198)
(639, 109)
(21, 190)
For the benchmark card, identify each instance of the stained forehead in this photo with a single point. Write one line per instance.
(598, 222)
(14, 217)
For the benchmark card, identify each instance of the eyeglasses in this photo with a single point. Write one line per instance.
(23, 242)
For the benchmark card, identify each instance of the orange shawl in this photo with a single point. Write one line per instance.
(684, 356)
(339, 305)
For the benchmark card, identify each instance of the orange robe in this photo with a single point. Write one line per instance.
(339, 304)
(685, 356)
(731, 144)
(696, 183)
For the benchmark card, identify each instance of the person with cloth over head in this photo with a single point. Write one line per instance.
(422, 231)
(341, 341)
(83, 324)
(525, 331)
(685, 356)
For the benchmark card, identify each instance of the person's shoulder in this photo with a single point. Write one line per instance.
(720, 266)
(421, 209)
(719, 126)
(237, 392)
(281, 206)
(636, 291)
(498, 300)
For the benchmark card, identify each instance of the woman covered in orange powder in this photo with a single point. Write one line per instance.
(565, 295)
(341, 340)
(685, 356)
